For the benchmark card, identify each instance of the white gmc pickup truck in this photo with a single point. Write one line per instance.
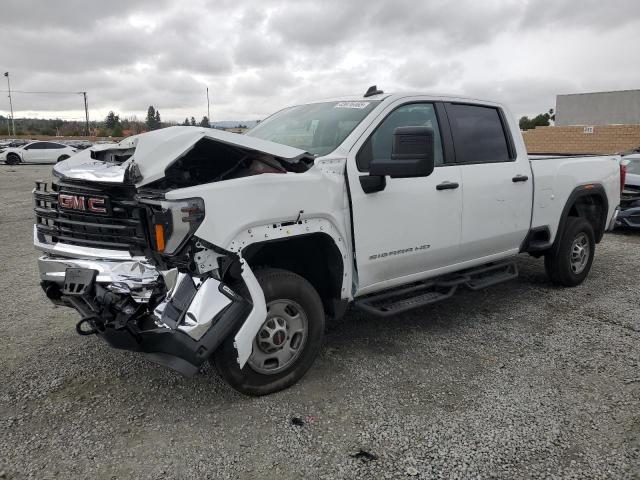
(191, 244)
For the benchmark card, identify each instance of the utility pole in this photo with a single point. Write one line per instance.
(86, 114)
(13, 123)
(208, 112)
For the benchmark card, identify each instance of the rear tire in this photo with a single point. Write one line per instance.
(288, 342)
(569, 261)
(12, 159)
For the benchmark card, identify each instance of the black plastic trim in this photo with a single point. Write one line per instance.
(585, 191)
(528, 245)
(167, 345)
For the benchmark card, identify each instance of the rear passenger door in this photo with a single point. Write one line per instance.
(51, 151)
(498, 188)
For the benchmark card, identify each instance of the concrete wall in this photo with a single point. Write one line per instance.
(603, 108)
(602, 139)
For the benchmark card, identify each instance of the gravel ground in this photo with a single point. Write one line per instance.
(521, 380)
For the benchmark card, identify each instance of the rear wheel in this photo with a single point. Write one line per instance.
(12, 159)
(286, 344)
(568, 263)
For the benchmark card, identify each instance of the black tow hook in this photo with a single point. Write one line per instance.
(85, 332)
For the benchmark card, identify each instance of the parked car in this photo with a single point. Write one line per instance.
(37, 152)
(13, 142)
(630, 201)
(78, 144)
(189, 244)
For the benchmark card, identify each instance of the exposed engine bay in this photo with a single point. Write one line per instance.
(210, 161)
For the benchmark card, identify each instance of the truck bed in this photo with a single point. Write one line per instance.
(556, 178)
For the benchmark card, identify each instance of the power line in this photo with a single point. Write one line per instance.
(46, 93)
(84, 94)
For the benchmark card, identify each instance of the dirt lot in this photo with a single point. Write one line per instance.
(522, 380)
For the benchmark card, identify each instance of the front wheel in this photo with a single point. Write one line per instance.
(286, 344)
(569, 261)
(12, 159)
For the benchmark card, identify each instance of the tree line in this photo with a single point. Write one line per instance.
(542, 120)
(114, 127)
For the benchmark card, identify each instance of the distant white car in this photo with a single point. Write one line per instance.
(37, 152)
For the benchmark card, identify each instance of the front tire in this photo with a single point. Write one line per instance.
(569, 261)
(12, 159)
(288, 341)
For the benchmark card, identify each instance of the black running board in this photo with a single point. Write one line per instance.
(416, 295)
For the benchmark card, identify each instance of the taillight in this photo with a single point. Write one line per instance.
(623, 176)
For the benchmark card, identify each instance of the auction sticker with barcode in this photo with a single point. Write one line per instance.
(359, 105)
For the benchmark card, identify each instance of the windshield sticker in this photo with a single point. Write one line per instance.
(358, 105)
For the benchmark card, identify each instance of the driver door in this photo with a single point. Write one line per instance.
(32, 152)
(410, 229)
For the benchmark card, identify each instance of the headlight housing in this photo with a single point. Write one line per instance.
(172, 222)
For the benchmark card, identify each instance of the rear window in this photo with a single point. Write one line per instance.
(478, 134)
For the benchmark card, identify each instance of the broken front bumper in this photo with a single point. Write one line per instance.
(174, 319)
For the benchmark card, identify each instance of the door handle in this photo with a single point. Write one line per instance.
(447, 186)
(520, 178)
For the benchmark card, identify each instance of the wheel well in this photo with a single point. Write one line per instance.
(313, 256)
(592, 208)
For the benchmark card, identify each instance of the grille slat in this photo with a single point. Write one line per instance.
(123, 229)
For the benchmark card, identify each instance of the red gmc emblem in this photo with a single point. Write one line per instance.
(82, 203)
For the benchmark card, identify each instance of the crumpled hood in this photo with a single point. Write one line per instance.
(154, 151)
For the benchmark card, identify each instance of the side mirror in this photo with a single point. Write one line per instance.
(412, 154)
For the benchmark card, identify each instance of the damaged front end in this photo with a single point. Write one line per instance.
(129, 260)
(174, 318)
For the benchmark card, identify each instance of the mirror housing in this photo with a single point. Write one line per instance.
(412, 154)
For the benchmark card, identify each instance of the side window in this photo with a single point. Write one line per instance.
(378, 145)
(478, 134)
(37, 146)
(54, 145)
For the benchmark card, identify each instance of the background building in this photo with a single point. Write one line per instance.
(600, 122)
(600, 108)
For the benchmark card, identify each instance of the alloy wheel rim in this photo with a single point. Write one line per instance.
(281, 337)
(579, 254)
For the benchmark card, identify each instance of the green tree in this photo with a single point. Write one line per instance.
(186, 122)
(151, 118)
(158, 121)
(542, 120)
(117, 131)
(112, 120)
(205, 122)
(193, 122)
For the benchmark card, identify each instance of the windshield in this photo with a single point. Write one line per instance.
(317, 128)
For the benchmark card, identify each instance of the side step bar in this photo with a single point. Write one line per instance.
(419, 294)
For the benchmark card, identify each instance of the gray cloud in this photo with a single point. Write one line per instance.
(258, 56)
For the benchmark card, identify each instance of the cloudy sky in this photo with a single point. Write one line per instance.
(257, 56)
